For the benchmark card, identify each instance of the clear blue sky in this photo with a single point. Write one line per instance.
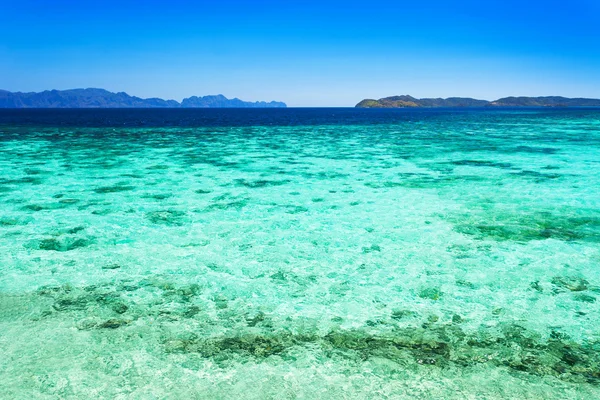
(306, 53)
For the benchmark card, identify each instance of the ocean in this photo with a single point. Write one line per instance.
(300, 254)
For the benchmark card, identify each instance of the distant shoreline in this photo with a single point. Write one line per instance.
(101, 98)
(406, 101)
(423, 108)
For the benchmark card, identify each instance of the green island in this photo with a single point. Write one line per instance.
(406, 101)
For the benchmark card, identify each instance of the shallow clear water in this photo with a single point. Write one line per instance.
(300, 254)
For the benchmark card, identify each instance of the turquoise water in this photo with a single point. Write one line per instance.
(300, 254)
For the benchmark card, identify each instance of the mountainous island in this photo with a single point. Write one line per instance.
(407, 101)
(100, 98)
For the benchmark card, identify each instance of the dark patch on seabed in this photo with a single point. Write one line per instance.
(424, 181)
(116, 306)
(260, 183)
(537, 176)
(521, 227)
(442, 346)
(482, 163)
(114, 189)
(540, 150)
(60, 244)
(167, 217)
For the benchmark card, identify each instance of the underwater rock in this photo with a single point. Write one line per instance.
(381, 185)
(166, 217)
(431, 293)
(87, 324)
(59, 244)
(249, 345)
(586, 298)
(182, 294)
(572, 283)
(89, 298)
(220, 302)
(192, 289)
(536, 286)
(217, 268)
(504, 226)
(34, 207)
(69, 201)
(465, 283)
(255, 320)
(191, 311)
(9, 221)
(105, 211)
(77, 229)
(433, 318)
(159, 196)
(537, 176)
(260, 183)
(235, 205)
(402, 314)
(160, 167)
(75, 303)
(114, 189)
(296, 209)
(435, 345)
(177, 310)
(27, 179)
(370, 249)
(119, 308)
(111, 266)
(113, 323)
(279, 276)
(482, 163)
(539, 150)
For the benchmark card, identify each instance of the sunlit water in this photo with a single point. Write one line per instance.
(316, 254)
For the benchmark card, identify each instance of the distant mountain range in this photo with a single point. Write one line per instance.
(100, 98)
(409, 101)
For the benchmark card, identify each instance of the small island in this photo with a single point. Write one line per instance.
(407, 101)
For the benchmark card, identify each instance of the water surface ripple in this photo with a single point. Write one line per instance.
(331, 253)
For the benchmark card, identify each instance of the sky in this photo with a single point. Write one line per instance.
(306, 53)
